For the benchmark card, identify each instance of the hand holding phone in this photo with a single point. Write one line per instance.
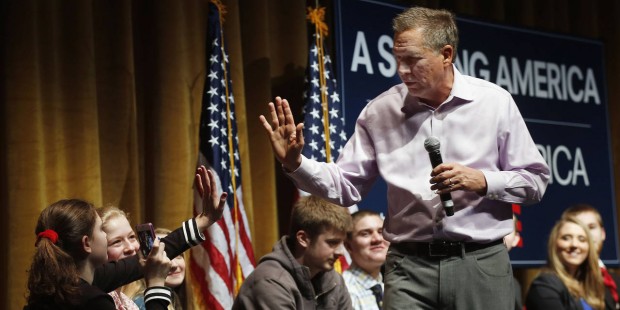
(157, 265)
(146, 236)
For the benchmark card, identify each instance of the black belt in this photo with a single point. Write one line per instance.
(441, 248)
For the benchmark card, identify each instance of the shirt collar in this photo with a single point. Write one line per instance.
(460, 87)
(364, 278)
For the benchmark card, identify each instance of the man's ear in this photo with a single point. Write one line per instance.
(86, 244)
(448, 54)
(303, 239)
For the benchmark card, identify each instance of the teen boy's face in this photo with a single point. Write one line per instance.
(367, 246)
(324, 250)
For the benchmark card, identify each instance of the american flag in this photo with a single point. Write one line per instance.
(323, 109)
(225, 259)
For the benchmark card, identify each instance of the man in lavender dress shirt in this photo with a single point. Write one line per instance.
(490, 162)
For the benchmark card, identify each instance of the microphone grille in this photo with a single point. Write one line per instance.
(431, 144)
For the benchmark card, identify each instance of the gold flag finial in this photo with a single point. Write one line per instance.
(220, 6)
(317, 17)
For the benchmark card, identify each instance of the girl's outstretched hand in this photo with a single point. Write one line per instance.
(212, 204)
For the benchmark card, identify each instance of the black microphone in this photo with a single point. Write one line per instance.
(431, 144)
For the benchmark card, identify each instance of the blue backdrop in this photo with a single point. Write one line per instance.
(557, 81)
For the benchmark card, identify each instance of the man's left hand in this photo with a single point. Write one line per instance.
(449, 177)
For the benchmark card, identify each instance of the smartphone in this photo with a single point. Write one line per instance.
(146, 236)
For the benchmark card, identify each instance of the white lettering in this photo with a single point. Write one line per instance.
(539, 79)
(386, 53)
(503, 74)
(522, 83)
(361, 56)
(479, 57)
(556, 173)
(590, 89)
(561, 157)
(574, 96)
(564, 90)
(534, 78)
(579, 168)
(553, 79)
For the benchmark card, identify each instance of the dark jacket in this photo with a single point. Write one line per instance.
(116, 274)
(610, 303)
(280, 282)
(94, 296)
(548, 292)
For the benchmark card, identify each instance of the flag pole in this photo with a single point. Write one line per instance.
(317, 17)
(320, 144)
(237, 267)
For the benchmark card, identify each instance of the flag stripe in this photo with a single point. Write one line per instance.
(244, 235)
(217, 260)
(202, 294)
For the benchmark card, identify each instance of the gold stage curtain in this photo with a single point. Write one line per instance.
(100, 100)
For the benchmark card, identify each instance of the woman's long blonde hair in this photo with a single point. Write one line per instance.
(588, 281)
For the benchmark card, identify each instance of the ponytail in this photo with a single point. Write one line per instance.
(53, 276)
(53, 273)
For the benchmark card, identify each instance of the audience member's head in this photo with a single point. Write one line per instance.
(572, 256)
(318, 229)
(176, 276)
(68, 234)
(365, 242)
(590, 216)
(122, 240)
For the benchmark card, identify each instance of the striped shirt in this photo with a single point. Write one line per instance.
(359, 283)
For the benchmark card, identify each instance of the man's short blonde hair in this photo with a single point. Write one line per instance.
(438, 26)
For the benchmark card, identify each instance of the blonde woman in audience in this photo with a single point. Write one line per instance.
(572, 279)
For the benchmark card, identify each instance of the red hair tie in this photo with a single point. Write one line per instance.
(49, 234)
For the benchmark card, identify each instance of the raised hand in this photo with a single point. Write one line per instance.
(212, 204)
(286, 138)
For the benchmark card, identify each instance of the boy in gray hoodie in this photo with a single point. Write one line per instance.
(299, 272)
